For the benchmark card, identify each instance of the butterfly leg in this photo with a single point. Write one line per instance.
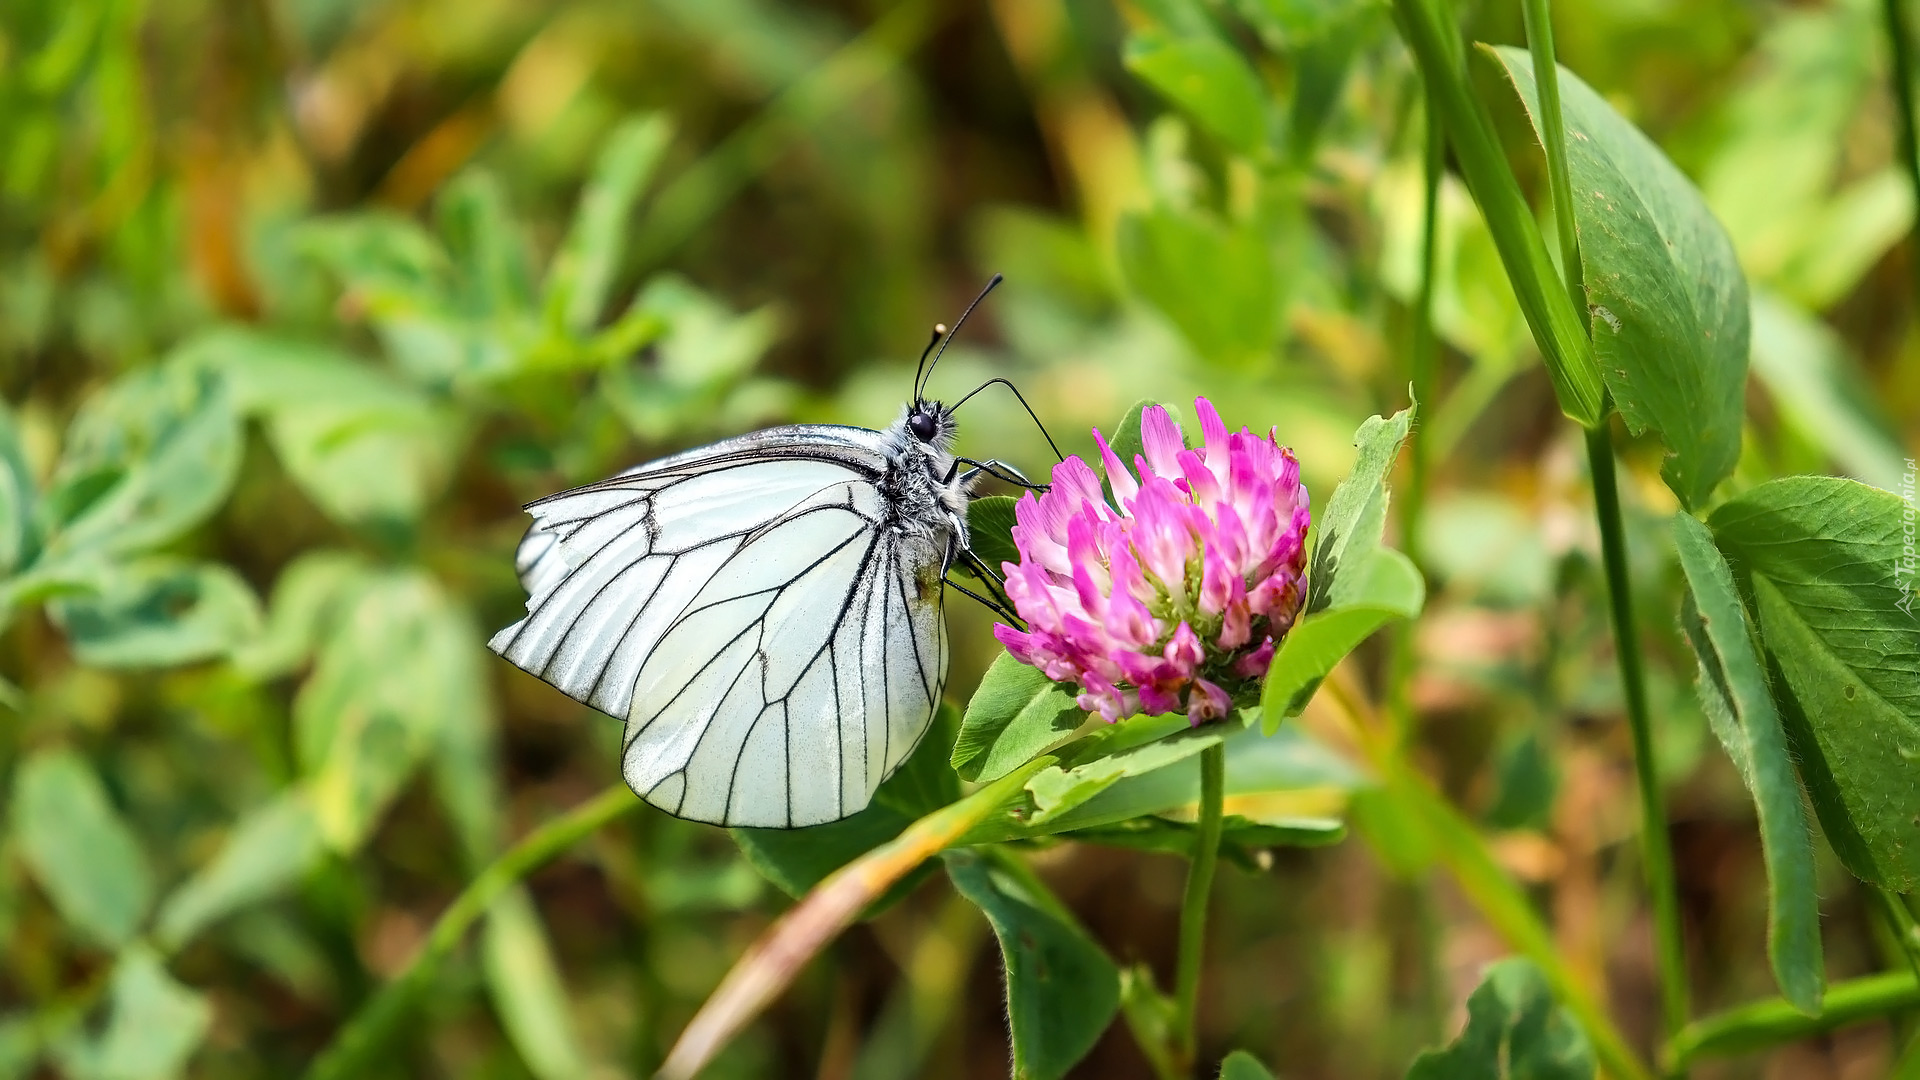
(997, 469)
(956, 554)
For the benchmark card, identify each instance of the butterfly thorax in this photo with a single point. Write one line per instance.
(926, 494)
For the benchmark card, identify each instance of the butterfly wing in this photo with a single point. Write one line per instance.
(775, 648)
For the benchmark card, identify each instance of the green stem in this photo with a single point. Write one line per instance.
(1774, 1021)
(356, 1047)
(1900, 44)
(1546, 73)
(1906, 932)
(1193, 907)
(1558, 326)
(1656, 851)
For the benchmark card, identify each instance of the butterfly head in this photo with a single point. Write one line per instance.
(930, 423)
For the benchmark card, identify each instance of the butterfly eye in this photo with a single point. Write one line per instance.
(923, 426)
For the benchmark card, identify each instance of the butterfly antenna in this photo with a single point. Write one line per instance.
(921, 377)
(1023, 404)
(939, 331)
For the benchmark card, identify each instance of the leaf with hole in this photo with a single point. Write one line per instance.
(1352, 521)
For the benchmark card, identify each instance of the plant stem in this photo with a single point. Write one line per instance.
(1655, 849)
(1906, 932)
(356, 1047)
(1553, 130)
(1774, 1021)
(1900, 44)
(1193, 907)
(1558, 326)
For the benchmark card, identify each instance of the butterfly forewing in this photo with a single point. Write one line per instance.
(773, 643)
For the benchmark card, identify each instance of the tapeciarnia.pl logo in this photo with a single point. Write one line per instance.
(1905, 566)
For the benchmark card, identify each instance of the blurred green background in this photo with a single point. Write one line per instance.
(299, 299)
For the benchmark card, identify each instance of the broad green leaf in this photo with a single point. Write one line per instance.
(78, 848)
(1832, 576)
(1739, 703)
(527, 990)
(364, 446)
(1207, 78)
(1666, 298)
(1514, 1032)
(1367, 596)
(1062, 990)
(583, 269)
(398, 667)
(308, 596)
(1015, 713)
(269, 850)
(989, 529)
(147, 458)
(1218, 283)
(157, 612)
(154, 1024)
(1350, 525)
(1241, 1065)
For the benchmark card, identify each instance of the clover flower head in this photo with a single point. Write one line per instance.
(1177, 596)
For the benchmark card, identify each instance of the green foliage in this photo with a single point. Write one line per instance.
(81, 851)
(1513, 1032)
(1734, 691)
(1217, 281)
(1354, 586)
(1062, 990)
(990, 529)
(1014, 715)
(1666, 301)
(1241, 1065)
(1829, 576)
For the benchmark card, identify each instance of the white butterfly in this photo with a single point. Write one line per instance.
(765, 612)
